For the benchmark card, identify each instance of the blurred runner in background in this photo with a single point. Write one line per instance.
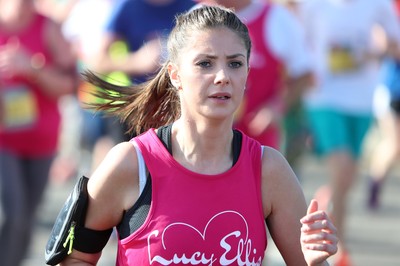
(36, 69)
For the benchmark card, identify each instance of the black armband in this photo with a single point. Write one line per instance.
(91, 241)
(68, 230)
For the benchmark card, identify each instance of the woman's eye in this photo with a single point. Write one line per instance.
(204, 64)
(235, 64)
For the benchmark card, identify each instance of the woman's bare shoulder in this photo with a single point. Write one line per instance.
(115, 182)
(273, 161)
(278, 180)
(119, 160)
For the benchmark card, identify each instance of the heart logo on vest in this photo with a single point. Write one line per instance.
(223, 241)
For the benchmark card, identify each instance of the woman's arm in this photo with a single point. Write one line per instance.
(61, 77)
(284, 206)
(113, 188)
(143, 61)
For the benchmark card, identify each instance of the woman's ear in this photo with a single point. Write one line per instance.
(174, 75)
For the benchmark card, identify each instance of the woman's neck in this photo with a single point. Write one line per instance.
(204, 149)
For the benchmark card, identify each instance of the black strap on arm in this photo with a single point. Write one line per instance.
(91, 241)
(68, 230)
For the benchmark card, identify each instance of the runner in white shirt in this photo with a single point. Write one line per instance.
(340, 107)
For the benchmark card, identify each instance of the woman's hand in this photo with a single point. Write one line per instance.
(15, 60)
(318, 236)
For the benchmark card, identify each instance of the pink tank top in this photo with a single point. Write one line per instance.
(197, 219)
(31, 119)
(263, 84)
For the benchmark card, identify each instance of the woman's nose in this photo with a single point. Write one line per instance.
(222, 76)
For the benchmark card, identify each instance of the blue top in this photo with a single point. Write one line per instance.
(137, 21)
(391, 77)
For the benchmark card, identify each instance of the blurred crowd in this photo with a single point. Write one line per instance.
(324, 75)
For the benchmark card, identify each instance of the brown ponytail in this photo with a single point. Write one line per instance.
(147, 105)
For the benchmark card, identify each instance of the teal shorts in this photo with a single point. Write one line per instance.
(333, 131)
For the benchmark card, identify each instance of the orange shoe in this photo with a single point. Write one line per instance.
(343, 259)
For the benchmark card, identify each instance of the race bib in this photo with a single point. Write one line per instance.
(19, 108)
(341, 60)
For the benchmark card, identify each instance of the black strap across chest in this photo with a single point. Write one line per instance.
(164, 134)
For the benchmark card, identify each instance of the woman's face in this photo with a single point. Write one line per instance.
(211, 74)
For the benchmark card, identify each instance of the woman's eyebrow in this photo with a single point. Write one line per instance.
(214, 56)
(235, 56)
